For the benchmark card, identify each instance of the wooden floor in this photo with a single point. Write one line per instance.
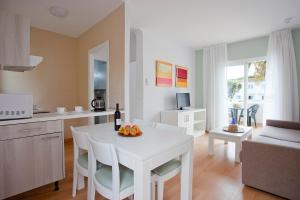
(215, 177)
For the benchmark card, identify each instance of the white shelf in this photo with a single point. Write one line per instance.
(198, 121)
(194, 120)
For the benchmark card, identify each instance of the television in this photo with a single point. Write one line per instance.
(183, 100)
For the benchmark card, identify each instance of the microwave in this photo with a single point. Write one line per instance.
(16, 106)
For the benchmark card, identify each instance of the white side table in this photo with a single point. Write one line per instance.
(237, 138)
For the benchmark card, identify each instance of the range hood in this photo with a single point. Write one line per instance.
(34, 62)
(15, 44)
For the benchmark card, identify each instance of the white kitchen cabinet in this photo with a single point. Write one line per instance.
(193, 120)
(30, 160)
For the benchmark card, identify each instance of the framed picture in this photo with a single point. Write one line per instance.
(163, 74)
(181, 76)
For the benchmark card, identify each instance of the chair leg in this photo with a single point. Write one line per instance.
(130, 197)
(75, 177)
(92, 191)
(160, 190)
(153, 190)
(80, 183)
(254, 122)
(249, 121)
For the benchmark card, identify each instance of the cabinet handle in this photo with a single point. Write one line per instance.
(31, 129)
(50, 137)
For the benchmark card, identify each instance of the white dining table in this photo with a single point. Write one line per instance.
(148, 151)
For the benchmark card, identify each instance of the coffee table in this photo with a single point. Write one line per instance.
(237, 138)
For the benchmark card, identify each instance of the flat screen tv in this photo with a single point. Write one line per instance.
(183, 100)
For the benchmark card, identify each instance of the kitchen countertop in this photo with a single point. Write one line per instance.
(55, 116)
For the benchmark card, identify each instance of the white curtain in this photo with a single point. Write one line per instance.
(215, 86)
(281, 89)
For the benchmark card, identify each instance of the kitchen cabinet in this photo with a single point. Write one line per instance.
(193, 120)
(32, 150)
(32, 155)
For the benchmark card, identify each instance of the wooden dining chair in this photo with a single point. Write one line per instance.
(168, 170)
(80, 166)
(112, 180)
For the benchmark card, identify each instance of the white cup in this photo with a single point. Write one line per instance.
(60, 110)
(78, 109)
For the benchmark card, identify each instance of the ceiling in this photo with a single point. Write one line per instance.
(191, 23)
(83, 14)
(198, 23)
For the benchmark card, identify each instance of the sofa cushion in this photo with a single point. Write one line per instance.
(268, 140)
(283, 124)
(289, 135)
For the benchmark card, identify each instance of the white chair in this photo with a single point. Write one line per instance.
(80, 166)
(168, 170)
(142, 123)
(112, 180)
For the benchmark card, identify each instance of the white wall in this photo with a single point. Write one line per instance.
(132, 46)
(155, 98)
(136, 75)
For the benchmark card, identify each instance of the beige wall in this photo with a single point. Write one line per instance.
(111, 28)
(62, 78)
(53, 82)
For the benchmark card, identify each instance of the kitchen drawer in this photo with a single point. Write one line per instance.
(29, 129)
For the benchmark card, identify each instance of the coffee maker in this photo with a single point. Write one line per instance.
(99, 102)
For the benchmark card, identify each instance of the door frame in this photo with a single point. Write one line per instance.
(245, 63)
(102, 49)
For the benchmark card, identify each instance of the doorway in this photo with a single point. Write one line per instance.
(98, 79)
(246, 87)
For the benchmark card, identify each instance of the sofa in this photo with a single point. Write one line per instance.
(271, 160)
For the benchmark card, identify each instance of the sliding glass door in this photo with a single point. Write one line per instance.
(246, 84)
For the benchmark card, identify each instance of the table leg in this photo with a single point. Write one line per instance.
(56, 186)
(249, 137)
(238, 147)
(211, 143)
(142, 182)
(187, 175)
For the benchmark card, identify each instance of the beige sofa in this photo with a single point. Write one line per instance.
(271, 160)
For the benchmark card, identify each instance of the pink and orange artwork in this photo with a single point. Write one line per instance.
(181, 76)
(163, 74)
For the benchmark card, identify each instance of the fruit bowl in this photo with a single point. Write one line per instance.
(130, 131)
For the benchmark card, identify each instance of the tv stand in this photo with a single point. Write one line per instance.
(193, 119)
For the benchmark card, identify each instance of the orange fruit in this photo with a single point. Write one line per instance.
(133, 131)
(121, 129)
(127, 130)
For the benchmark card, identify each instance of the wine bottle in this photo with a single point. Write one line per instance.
(117, 118)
